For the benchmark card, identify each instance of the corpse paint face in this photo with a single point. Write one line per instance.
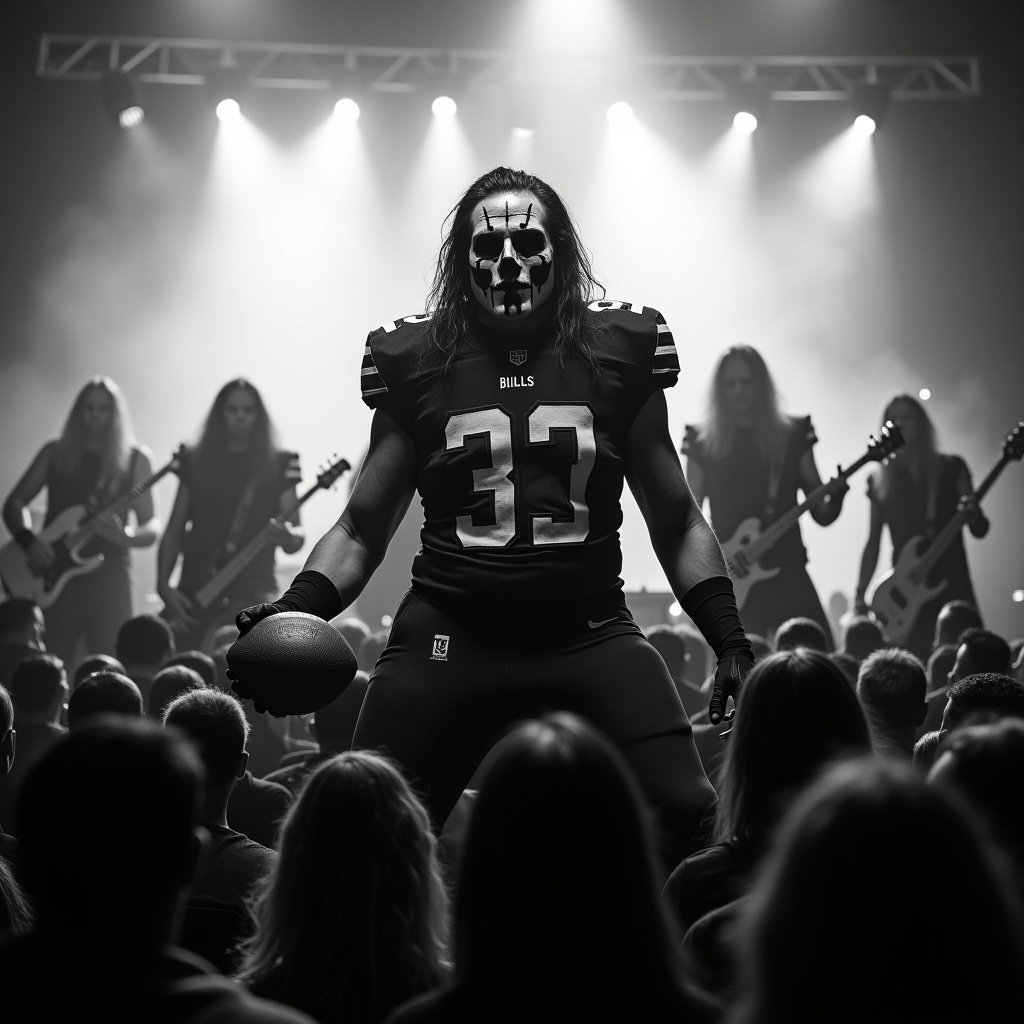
(511, 256)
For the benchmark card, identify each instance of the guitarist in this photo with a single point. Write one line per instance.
(232, 481)
(915, 496)
(749, 459)
(93, 462)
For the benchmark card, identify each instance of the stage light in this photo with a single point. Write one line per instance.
(226, 87)
(346, 109)
(868, 105)
(749, 102)
(444, 107)
(924, 394)
(675, 609)
(229, 110)
(620, 113)
(745, 122)
(522, 132)
(1018, 596)
(121, 99)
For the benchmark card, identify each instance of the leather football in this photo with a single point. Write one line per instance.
(291, 663)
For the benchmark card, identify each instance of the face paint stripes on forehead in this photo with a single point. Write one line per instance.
(510, 256)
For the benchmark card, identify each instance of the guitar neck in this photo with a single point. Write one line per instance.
(774, 533)
(244, 557)
(952, 529)
(119, 506)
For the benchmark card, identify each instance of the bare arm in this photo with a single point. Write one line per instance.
(144, 532)
(810, 480)
(171, 544)
(289, 535)
(977, 521)
(869, 558)
(684, 543)
(355, 545)
(31, 482)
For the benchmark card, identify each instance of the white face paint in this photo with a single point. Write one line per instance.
(510, 256)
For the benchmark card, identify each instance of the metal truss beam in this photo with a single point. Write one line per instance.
(408, 68)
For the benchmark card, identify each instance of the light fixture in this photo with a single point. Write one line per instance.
(226, 87)
(347, 110)
(121, 99)
(868, 106)
(620, 113)
(749, 103)
(444, 108)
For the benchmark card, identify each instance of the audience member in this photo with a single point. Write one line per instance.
(980, 650)
(215, 915)
(355, 631)
(7, 751)
(891, 686)
(22, 628)
(985, 764)
(801, 632)
(168, 684)
(96, 663)
(103, 693)
(332, 728)
(15, 912)
(671, 645)
(107, 823)
(199, 662)
(371, 649)
(557, 915)
(144, 643)
(39, 689)
(847, 664)
(984, 696)
(796, 714)
(954, 617)
(761, 645)
(352, 919)
(861, 636)
(940, 664)
(881, 902)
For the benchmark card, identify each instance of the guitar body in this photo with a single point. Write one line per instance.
(198, 635)
(745, 574)
(69, 562)
(901, 594)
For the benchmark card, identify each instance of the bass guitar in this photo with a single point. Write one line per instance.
(749, 544)
(213, 604)
(904, 590)
(67, 535)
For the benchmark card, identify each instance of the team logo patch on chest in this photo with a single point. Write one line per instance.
(517, 356)
(439, 649)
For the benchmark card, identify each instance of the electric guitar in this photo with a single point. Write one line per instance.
(67, 535)
(213, 604)
(749, 544)
(903, 591)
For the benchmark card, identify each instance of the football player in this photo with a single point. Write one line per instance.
(517, 407)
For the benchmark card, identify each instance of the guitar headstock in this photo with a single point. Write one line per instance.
(330, 473)
(1013, 446)
(889, 441)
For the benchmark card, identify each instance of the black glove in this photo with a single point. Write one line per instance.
(311, 591)
(248, 617)
(712, 606)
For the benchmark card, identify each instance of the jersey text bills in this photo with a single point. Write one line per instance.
(515, 382)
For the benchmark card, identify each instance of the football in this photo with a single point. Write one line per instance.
(291, 663)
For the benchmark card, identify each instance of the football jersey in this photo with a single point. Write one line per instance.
(520, 461)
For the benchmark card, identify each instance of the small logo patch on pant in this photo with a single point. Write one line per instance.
(439, 651)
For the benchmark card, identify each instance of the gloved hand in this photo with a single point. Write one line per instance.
(729, 676)
(248, 617)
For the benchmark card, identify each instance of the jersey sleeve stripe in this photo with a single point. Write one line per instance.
(371, 381)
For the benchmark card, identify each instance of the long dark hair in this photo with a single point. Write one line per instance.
(213, 438)
(796, 714)
(557, 890)
(923, 456)
(769, 424)
(352, 919)
(117, 450)
(575, 286)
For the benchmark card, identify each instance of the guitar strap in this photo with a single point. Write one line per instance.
(932, 504)
(100, 494)
(772, 497)
(241, 513)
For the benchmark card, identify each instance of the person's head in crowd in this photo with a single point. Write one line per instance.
(352, 920)
(106, 827)
(953, 618)
(22, 622)
(536, 914)
(39, 687)
(169, 683)
(891, 685)
(220, 659)
(800, 632)
(215, 723)
(8, 739)
(355, 631)
(198, 661)
(96, 663)
(882, 900)
(847, 664)
(144, 643)
(371, 649)
(761, 645)
(940, 664)
(985, 696)
(861, 636)
(334, 725)
(671, 645)
(979, 650)
(15, 912)
(797, 713)
(985, 764)
(926, 750)
(103, 693)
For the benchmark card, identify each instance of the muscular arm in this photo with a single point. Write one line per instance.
(684, 543)
(355, 545)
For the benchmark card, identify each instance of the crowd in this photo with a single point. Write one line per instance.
(166, 854)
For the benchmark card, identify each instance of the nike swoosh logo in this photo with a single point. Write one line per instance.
(597, 625)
